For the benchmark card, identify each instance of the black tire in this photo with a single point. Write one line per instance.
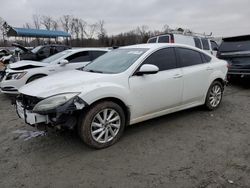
(208, 102)
(85, 124)
(35, 77)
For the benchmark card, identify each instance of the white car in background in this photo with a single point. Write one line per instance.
(204, 43)
(125, 86)
(20, 73)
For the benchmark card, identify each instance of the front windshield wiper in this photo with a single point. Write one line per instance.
(89, 70)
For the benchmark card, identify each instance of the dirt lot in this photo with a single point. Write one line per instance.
(192, 148)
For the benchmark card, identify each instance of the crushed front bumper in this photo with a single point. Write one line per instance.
(30, 117)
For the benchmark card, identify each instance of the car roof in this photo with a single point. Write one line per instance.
(155, 46)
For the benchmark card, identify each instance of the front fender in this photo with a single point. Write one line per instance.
(99, 91)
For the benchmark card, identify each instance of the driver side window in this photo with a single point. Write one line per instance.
(164, 59)
(79, 57)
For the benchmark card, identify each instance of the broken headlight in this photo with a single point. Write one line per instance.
(53, 102)
(15, 76)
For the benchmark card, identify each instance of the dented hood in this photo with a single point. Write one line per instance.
(63, 82)
(26, 64)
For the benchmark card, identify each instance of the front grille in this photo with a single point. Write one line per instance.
(28, 101)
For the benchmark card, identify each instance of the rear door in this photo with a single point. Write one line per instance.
(196, 74)
(160, 91)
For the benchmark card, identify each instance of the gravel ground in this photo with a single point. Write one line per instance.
(192, 148)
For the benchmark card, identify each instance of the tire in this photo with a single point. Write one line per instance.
(31, 79)
(214, 95)
(97, 133)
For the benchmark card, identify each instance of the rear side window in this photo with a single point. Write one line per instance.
(96, 54)
(197, 42)
(205, 44)
(214, 45)
(152, 40)
(205, 58)
(163, 39)
(164, 59)
(79, 57)
(189, 57)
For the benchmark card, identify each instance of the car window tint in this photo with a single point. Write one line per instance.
(197, 42)
(205, 44)
(205, 58)
(189, 57)
(164, 59)
(152, 40)
(60, 48)
(214, 45)
(163, 39)
(79, 57)
(45, 51)
(96, 54)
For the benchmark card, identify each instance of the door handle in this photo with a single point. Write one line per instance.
(177, 76)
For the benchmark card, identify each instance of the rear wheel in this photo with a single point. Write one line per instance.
(102, 125)
(214, 95)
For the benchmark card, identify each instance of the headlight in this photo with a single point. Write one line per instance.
(15, 76)
(53, 102)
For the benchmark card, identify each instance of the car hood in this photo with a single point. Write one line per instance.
(21, 47)
(67, 81)
(26, 64)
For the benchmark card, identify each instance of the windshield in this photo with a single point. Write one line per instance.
(36, 49)
(115, 61)
(234, 46)
(55, 56)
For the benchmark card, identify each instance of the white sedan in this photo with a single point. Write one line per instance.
(125, 86)
(22, 72)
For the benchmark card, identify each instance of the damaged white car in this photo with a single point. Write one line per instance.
(20, 73)
(123, 87)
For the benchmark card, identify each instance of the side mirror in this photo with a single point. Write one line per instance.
(147, 69)
(63, 62)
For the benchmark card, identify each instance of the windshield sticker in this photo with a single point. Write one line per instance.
(135, 52)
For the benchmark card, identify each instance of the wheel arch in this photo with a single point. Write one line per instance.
(118, 101)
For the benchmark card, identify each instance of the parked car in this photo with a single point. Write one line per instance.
(4, 52)
(40, 52)
(236, 51)
(203, 43)
(125, 86)
(22, 72)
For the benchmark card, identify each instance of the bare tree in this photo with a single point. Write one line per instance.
(90, 30)
(36, 21)
(82, 27)
(65, 21)
(47, 22)
(55, 25)
(2, 28)
(27, 25)
(101, 30)
(75, 27)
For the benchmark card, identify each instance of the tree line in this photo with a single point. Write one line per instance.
(83, 33)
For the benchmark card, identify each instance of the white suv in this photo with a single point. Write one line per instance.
(203, 43)
(125, 86)
(22, 72)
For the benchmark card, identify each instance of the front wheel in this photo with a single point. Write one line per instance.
(102, 125)
(214, 95)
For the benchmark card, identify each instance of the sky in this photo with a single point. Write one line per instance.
(221, 17)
